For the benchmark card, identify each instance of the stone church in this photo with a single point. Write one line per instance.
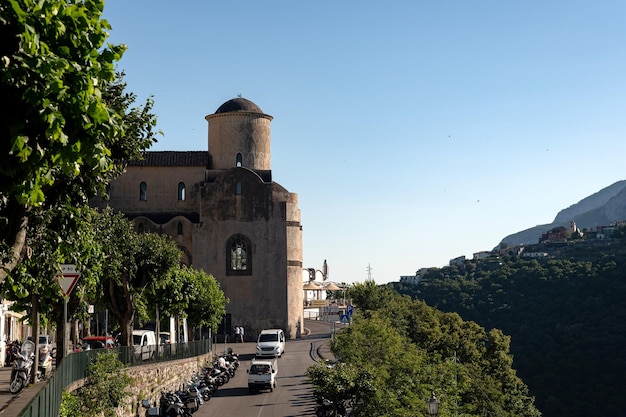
(227, 215)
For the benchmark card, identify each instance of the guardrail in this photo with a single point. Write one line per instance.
(73, 368)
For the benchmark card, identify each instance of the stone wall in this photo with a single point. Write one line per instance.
(150, 379)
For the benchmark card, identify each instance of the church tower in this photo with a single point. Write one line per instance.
(239, 135)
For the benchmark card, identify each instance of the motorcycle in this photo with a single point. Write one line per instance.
(326, 408)
(22, 367)
(232, 357)
(12, 350)
(170, 405)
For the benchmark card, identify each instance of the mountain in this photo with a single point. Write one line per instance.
(599, 209)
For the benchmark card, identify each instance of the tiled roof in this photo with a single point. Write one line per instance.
(173, 159)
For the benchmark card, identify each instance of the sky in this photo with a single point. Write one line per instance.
(414, 131)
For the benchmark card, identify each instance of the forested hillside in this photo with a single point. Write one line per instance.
(398, 351)
(566, 316)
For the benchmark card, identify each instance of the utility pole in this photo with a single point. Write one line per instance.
(369, 273)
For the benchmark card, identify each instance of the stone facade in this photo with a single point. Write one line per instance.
(227, 215)
(148, 381)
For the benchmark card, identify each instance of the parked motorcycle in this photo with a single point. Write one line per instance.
(22, 367)
(44, 368)
(232, 357)
(326, 408)
(12, 350)
(170, 405)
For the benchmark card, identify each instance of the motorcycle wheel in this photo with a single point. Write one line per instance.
(16, 385)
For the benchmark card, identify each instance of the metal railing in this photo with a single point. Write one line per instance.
(47, 401)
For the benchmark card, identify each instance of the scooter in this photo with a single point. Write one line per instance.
(326, 408)
(44, 369)
(13, 349)
(170, 405)
(22, 367)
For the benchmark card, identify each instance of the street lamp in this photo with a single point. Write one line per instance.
(433, 405)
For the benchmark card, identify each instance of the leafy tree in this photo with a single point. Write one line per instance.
(64, 235)
(190, 293)
(207, 302)
(343, 383)
(411, 349)
(66, 125)
(135, 262)
(397, 367)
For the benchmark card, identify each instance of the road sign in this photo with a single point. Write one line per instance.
(68, 278)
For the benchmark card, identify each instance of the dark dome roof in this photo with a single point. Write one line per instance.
(238, 104)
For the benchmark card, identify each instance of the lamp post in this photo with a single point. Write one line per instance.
(433, 405)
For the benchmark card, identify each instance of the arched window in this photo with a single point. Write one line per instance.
(140, 228)
(239, 256)
(239, 160)
(143, 191)
(181, 191)
(180, 228)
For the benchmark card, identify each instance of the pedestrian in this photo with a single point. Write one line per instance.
(237, 334)
(241, 333)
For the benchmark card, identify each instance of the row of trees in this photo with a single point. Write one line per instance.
(565, 317)
(67, 128)
(129, 273)
(397, 351)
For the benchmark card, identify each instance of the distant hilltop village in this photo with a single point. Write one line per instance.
(556, 238)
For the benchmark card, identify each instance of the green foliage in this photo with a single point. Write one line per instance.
(64, 235)
(70, 405)
(409, 349)
(564, 317)
(206, 302)
(135, 263)
(342, 382)
(107, 385)
(67, 126)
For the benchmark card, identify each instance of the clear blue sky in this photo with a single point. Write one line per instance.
(413, 131)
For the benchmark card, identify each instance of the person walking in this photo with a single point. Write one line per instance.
(241, 331)
(237, 334)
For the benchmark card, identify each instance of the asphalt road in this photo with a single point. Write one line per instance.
(293, 394)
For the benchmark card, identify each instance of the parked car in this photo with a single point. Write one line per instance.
(45, 344)
(44, 340)
(144, 342)
(165, 338)
(98, 342)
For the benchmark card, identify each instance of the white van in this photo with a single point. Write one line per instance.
(262, 374)
(271, 342)
(144, 342)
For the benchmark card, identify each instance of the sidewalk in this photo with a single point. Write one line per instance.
(12, 405)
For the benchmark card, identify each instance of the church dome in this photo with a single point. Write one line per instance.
(238, 104)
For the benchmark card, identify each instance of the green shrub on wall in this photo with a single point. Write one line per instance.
(105, 389)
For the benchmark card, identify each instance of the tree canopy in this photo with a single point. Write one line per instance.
(407, 350)
(66, 125)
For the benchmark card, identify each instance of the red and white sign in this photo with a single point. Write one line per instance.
(68, 278)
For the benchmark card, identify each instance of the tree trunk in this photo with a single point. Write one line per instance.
(14, 236)
(35, 337)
